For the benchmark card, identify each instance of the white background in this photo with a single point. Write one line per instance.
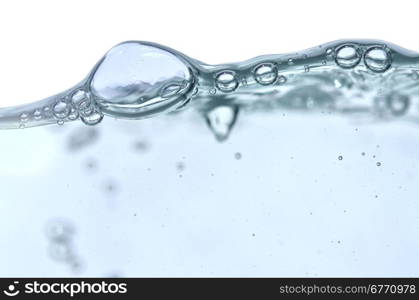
(47, 46)
(287, 208)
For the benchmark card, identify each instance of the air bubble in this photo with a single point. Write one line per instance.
(61, 109)
(377, 59)
(37, 115)
(74, 114)
(94, 118)
(282, 79)
(226, 81)
(340, 157)
(265, 73)
(24, 117)
(348, 56)
(397, 103)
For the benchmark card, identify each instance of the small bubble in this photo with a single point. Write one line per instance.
(226, 81)
(24, 117)
(60, 122)
(265, 73)
(180, 166)
(61, 109)
(378, 59)
(282, 79)
(378, 164)
(94, 118)
(290, 61)
(340, 157)
(37, 115)
(363, 153)
(237, 155)
(348, 56)
(78, 97)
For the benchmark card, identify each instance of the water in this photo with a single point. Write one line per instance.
(135, 80)
(316, 174)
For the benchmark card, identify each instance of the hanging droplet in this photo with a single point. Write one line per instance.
(221, 120)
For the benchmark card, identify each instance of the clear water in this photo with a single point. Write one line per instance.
(318, 178)
(135, 80)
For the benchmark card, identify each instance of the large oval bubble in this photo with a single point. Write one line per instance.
(137, 79)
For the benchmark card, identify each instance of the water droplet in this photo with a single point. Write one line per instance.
(221, 120)
(61, 109)
(94, 118)
(265, 73)
(226, 81)
(378, 59)
(348, 56)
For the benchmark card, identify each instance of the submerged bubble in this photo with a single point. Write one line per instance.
(378, 59)
(340, 157)
(282, 79)
(266, 73)
(397, 103)
(226, 81)
(237, 155)
(221, 120)
(348, 56)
